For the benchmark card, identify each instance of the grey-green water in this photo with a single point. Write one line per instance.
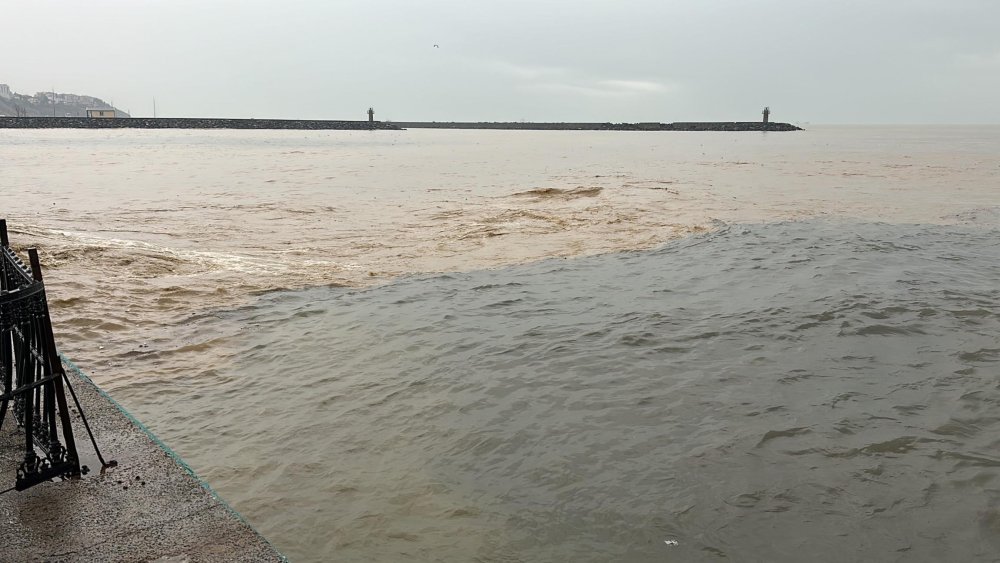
(800, 391)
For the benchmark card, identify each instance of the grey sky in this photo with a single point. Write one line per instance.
(835, 61)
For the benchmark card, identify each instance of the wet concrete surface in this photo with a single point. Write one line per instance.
(148, 508)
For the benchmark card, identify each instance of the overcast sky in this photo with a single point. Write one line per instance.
(811, 61)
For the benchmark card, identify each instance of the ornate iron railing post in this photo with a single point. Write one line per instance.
(33, 382)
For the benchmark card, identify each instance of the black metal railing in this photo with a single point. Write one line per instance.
(32, 379)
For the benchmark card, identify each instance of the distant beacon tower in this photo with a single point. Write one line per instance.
(371, 115)
(767, 114)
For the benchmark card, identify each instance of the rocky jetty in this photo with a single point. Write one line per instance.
(309, 124)
(652, 126)
(183, 123)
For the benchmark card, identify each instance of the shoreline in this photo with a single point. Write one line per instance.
(320, 125)
(151, 506)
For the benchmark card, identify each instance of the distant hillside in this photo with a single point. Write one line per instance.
(49, 104)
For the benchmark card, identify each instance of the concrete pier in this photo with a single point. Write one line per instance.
(151, 507)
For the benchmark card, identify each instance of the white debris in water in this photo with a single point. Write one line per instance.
(671, 542)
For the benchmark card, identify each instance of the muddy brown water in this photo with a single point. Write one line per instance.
(544, 346)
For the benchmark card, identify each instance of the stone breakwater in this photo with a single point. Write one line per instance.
(652, 126)
(314, 124)
(184, 123)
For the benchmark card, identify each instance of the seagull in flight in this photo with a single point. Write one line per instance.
(436, 46)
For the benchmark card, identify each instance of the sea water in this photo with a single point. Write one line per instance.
(545, 346)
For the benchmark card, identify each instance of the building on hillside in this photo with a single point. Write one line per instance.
(101, 113)
(5, 92)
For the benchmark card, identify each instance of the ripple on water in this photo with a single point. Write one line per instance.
(757, 393)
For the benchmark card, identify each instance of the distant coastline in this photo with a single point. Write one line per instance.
(313, 124)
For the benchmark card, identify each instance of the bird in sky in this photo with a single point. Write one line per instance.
(436, 46)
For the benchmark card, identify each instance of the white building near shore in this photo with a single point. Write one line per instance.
(5, 92)
(101, 113)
